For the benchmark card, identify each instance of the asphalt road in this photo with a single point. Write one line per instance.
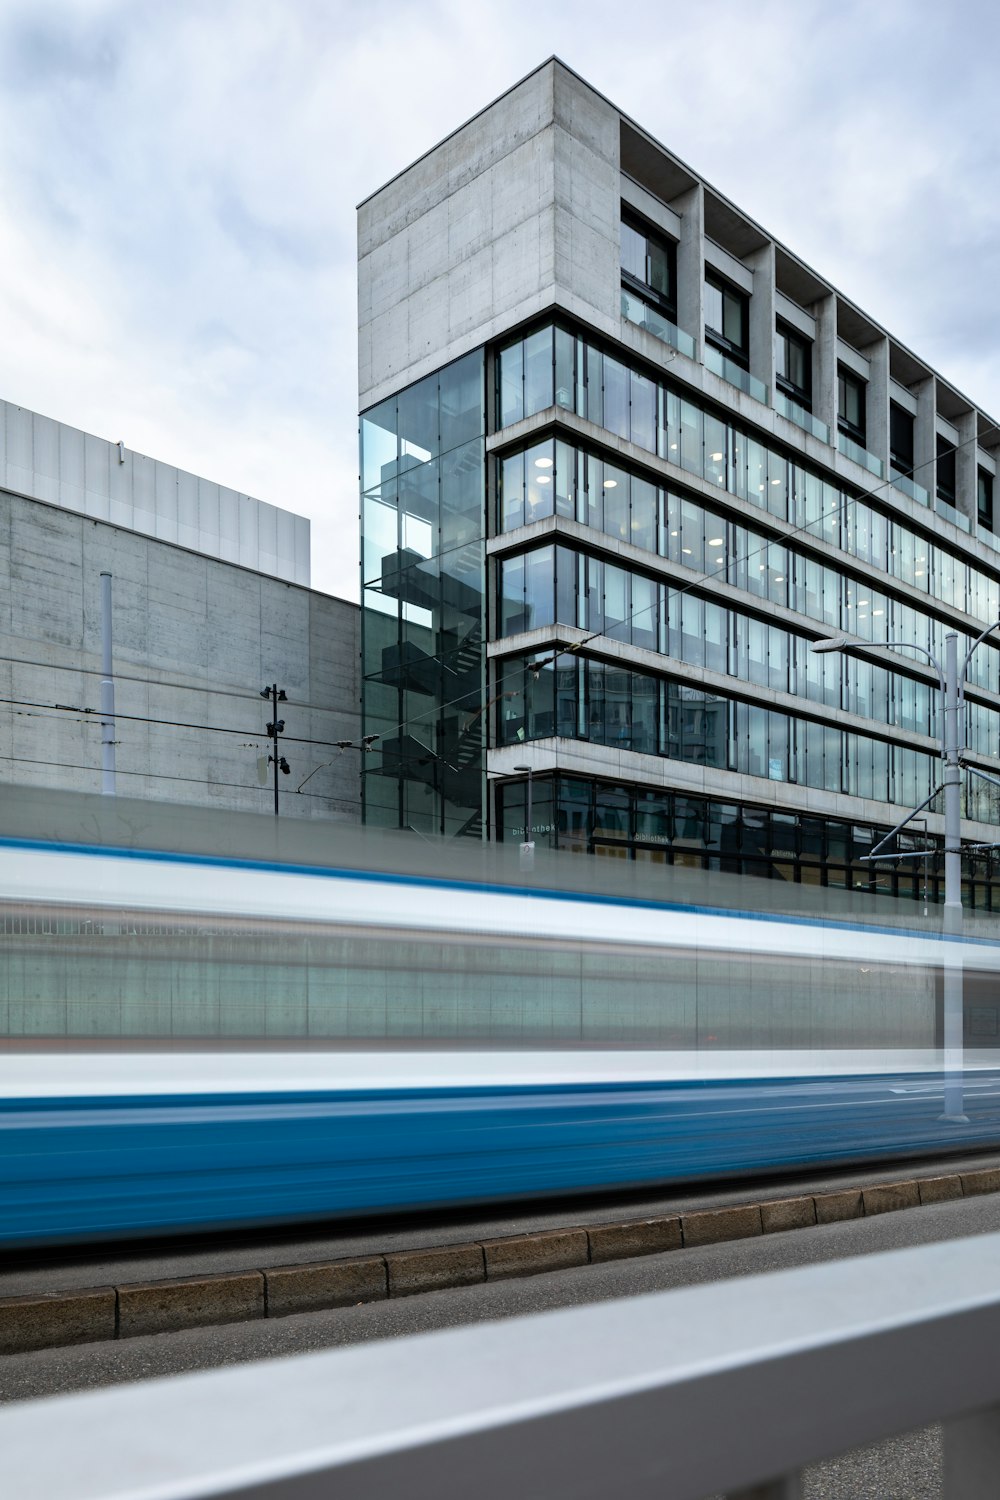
(907, 1468)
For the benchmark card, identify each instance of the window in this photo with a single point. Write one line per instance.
(985, 491)
(649, 265)
(900, 439)
(727, 320)
(851, 406)
(945, 470)
(793, 365)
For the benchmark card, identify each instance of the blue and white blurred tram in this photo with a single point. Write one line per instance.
(226, 1034)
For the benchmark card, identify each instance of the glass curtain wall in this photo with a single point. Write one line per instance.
(553, 367)
(563, 696)
(423, 473)
(664, 827)
(557, 585)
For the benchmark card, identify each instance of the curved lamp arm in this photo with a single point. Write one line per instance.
(968, 657)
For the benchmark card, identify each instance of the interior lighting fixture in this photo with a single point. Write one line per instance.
(775, 481)
(543, 463)
(720, 559)
(716, 541)
(611, 484)
(673, 447)
(878, 611)
(686, 551)
(863, 603)
(673, 533)
(543, 479)
(716, 458)
(918, 572)
(780, 578)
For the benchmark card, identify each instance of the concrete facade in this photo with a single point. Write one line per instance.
(513, 214)
(41, 459)
(514, 224)
(195, 639)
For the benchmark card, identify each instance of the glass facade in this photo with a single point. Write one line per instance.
(423, 509)
(665, 827)
(560, 585)
(875, 577)
(575, 697)
(567, 371)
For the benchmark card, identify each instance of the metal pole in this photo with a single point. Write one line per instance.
(107, 693)
(954, 1104)
(527, 859)
(274, 736)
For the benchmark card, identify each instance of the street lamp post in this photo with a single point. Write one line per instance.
(951, 680)
(528, 847)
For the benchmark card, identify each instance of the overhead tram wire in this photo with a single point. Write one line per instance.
(367, 741)
(239, 786)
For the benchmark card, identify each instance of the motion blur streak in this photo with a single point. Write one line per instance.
(274, 1037)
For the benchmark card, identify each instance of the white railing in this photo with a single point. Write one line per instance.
(731, 1387)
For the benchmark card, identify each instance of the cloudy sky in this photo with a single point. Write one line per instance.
(179, 177)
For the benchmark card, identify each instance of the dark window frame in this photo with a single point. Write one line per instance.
(857, 431)
(946, 486)
(644, 288)
(738, 353)
(900, 458)
(802, 394)
(984, 498)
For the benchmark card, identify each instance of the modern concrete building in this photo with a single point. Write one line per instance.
(210, 603)
(625, 459)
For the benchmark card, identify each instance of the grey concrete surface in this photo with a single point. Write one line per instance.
(107, 481)
(907, 1468)
(195, 638)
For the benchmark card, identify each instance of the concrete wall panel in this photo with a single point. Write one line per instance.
(195, 639)
(60, 465)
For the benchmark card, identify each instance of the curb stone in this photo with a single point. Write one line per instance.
(92, 1314)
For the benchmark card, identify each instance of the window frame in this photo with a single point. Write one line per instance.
(666, 304)
(902, 462)
(945, 449)
(738, 353)
(858, 432)
(786, 334)
(984, 512)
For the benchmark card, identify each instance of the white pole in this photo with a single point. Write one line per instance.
(107, 693)
(954, 1020)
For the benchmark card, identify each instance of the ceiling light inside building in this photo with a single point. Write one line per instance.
(543, 463)
(543, 479)
(716, 541)
(611, 484)
(716, 458)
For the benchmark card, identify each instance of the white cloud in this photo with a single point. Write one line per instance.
(177, 248)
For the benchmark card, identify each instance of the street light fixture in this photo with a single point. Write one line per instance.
(528, 846)
(951, 680)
